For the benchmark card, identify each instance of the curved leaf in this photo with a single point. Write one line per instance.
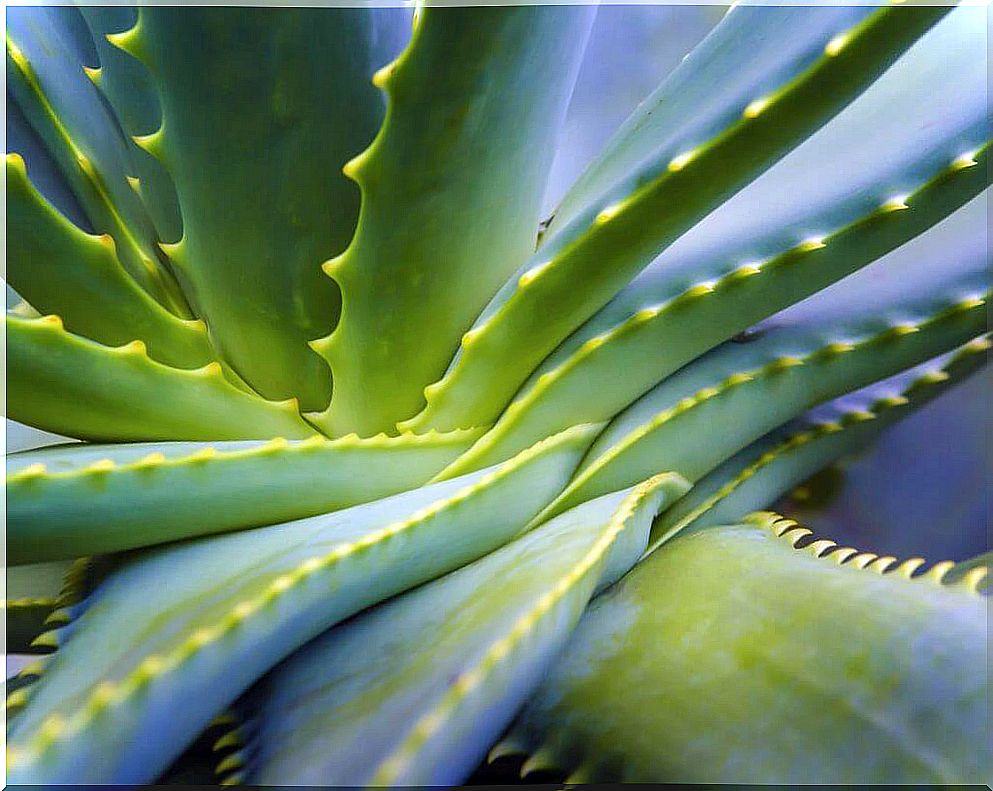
(888, 317)
(78, 500)
(128, 87)
(69, 385)
(258, 174)
(227, 608)
(588, 262)
(767, 469)
(61, 269)
(451, 191)
(373, 703)
(731, 655)
(81, 134)
(888, 167)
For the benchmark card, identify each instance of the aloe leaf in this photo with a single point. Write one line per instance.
(757, 476)
(128, 87)
(825, 658)
(735, 64)
(258, 176)
(882, 320)
(61, 269)
(104, 711)
(890, 166)
(575, 273)
(373, 703)
(76, 500)
(24, 141)
(83, 137)
(66, 384)
(451, 191)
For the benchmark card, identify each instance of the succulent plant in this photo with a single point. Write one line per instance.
(485, 482)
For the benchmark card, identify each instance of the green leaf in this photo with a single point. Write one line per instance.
(875, 324)
(757, 476)
(577, 271)
(258, 173)
(374, 703)
(451, 195)
(66, 384)
(76, 500)
(60, 269)
(199, 621)
(889, 167)
(731, 655)
(82, 136)
(128, 87)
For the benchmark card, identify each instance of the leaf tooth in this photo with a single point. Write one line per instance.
(16, 162)
(879, 565)
(28, 473)
(36, 667)
(275, 445)
(50, 639)
(818, 548)
(233, 738)
(100, 467)
(149, 462)
(793, 536)
(232, 762)
(973, 579)
(862, 559)
(51, 321)
(94, 75)
(129, 41)
(59, 617)
(938, 571)
(203, 455)
(153, 144)
(509, 745)
(908, 567)
(542, 759)
(211, 370)
(17, 700)
(381, 79)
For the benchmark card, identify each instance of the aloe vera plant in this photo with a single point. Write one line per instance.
(384, 472)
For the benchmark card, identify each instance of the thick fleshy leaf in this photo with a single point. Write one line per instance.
(45, 78)
(258, 174)
(25, 142)
(451, 197)
(201, 620)
(374, 703)
(69, 385)
(60, 269)
(730, 655)
(76, 500)
(129, 89)
(757, 476)
(584, 265)
(891, 165)
(918, 302)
